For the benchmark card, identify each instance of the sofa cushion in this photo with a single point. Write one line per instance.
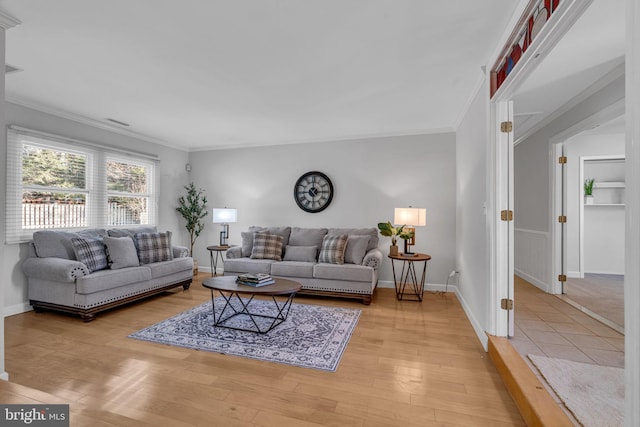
(154, 247)
(292, 269)
(165, 268)
(333, 248)
(131, 232)
(247, 243)
(356, 248)
(90, 252)
(121, 252)
(54, 243)
(247, 265)
(371, 232)
(307, 236)
(266, 246)
(109, 279)
(344, 272)
(301, 253)
(285, 232)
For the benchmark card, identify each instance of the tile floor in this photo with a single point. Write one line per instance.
(545, 325)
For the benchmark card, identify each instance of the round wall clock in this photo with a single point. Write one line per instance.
(313, 192)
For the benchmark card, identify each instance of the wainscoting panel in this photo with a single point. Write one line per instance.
(531, 257)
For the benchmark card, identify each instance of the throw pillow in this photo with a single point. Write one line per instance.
(154, 247)
(356, 248)
(301, 253)
(90, 252)
(121, 252)
(267, 246)
(333, 248)
(247, 243)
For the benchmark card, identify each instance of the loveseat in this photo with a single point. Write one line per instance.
(92, 270)
(340, 262)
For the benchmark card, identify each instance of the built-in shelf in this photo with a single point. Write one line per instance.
(609, 184)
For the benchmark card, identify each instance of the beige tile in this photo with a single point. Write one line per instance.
(566, 352)
(540, 337)
(617, 343)
(587, 341)
(554, 317)
(604, 331)
(526, 347)
(534, 325)
(605, 357)
(570, 328)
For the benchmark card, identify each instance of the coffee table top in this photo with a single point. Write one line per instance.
(228, 284)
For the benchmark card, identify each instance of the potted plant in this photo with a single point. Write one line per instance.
(388, 230)
(588, 191)
(193, 208)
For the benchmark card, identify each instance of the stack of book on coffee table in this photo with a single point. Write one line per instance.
(255, 279)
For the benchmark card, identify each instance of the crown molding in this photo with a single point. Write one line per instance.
(8, 21)
(89, 122)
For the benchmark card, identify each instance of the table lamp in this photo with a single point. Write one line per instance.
(412, 217)
(224, 216)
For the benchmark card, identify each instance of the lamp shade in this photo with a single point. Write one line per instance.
(416, 217)
(224, 215)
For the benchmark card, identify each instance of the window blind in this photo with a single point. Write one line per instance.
(58, 183)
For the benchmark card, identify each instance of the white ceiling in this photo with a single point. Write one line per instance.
(206, 74)
(200, 74)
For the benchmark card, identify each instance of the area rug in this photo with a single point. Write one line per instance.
(313, 336)
(594, 394)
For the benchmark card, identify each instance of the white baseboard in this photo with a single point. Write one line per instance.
(534, 281)
(4, 376)
(574, 275)
(17, 309)
(477, 327)
(616, 273)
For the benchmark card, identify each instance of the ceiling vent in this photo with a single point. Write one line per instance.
(118, 122)
(11, 69)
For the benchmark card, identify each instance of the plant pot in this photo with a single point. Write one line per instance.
(393, 250)
(588, 200)
(195, 267)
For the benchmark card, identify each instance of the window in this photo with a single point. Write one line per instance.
(58, 183)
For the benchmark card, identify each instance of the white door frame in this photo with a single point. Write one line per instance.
(500, 236)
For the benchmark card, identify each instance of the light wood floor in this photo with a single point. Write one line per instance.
(407, 364)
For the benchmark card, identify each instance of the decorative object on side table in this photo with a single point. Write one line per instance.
(224, 216)
(388, 230)
(588, 191)
(193, 208)
(413, 217)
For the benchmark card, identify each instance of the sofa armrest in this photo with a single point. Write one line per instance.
(180, 251)
(373, 258)
(234, 252)
(56, 269)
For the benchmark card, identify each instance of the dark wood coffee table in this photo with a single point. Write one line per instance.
(231, 291)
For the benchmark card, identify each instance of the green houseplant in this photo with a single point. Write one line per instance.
(588, 191)
(388, 230)
(193, 208)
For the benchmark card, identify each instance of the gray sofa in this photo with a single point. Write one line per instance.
(355, 277)
(67, 271)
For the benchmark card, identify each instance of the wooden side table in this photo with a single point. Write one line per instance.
(408, 283)
(219, 250)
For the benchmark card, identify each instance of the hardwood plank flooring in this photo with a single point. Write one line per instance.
(408, 363)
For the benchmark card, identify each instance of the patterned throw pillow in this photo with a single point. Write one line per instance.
(267, 246)
(154, 247)
(333, 248)
(90, 252)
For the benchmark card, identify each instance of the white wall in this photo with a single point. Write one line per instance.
(532, 170)
(370, 176)
(601, 250)
(471, 221)
(172, 177)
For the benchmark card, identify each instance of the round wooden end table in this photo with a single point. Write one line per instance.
(408, 285)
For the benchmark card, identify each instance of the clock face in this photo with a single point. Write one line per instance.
(313, 192)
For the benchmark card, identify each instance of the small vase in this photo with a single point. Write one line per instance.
(393, 250)
(588, 200)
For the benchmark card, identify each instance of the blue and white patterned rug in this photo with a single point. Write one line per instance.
(313, 336)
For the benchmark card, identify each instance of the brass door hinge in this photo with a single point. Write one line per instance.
(562, 278)
(562, 219)
(562, 160)
(506, 127)
(506, 304)
(506, 215)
